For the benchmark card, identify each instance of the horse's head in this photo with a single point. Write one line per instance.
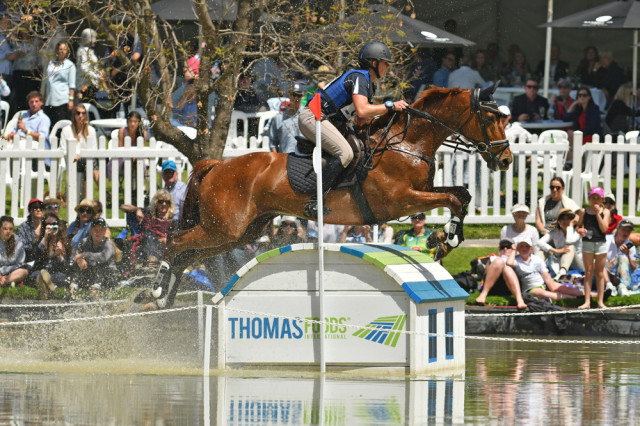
(474, 124)
(485, 131)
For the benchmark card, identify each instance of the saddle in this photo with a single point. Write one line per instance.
(302, 177)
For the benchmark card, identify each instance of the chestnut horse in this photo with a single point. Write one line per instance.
(229, 202)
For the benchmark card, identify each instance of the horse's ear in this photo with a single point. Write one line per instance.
(487, 92)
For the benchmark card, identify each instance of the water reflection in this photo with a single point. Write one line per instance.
(504, 383)
(572, 384)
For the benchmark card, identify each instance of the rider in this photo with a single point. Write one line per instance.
(348, 94)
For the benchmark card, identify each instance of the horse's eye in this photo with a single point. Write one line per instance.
(490, 118)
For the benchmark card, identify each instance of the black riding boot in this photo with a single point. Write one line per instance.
(330, 174)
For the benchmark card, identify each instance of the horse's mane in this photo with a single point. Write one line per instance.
(427, 98)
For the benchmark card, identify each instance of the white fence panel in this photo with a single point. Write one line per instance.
(132, 173)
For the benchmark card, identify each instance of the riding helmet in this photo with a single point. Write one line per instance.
(374, 51)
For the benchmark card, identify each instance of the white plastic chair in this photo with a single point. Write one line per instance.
(62, 164)
(4, 106)
(274, 103)
(92, 111)
(555, 136)
(591, 171)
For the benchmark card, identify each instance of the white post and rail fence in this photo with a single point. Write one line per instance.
(130, 173)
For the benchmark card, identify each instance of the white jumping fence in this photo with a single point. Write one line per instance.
(129, 174)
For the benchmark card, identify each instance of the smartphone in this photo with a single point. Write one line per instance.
(629, 245)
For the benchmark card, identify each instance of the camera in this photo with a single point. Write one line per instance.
(629, 245)
(54, 228)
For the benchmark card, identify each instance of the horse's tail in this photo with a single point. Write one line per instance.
(190, 216)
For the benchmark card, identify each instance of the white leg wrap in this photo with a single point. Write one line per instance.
(450, 229)
(163, 270)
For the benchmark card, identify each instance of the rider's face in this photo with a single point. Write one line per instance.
(383, 67)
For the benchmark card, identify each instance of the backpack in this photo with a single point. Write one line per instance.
(466, 280)
(479, 264)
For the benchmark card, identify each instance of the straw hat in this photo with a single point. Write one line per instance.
(85, 203)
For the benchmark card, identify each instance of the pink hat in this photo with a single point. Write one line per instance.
(597, 191)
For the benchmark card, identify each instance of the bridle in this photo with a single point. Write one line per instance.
(461, 142)
(457, 139)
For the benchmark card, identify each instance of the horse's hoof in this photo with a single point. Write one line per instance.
(150, 307)
(144, 296)
(432, 240)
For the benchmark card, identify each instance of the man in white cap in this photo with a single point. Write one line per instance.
(514, 131)
(534, 276)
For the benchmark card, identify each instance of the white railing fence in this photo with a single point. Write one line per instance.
(132, 172)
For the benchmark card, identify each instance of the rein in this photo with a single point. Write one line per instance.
(459, 141)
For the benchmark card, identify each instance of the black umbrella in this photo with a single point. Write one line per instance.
(397, 27)
(614, 15)
(182, 10)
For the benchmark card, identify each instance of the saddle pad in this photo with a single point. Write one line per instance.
(302, 178)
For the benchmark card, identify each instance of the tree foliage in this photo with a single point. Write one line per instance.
(301, 35)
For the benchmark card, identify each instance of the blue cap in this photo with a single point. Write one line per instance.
(169, 165)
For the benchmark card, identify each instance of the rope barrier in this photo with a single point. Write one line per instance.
(321, 322)
(82, 304)
(96, 318)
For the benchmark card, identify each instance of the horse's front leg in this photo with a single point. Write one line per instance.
(453, 234)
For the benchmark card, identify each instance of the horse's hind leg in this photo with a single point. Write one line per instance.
(165, 286)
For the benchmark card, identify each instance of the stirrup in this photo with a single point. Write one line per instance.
(311, 208)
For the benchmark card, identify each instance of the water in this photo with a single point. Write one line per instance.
(161, 383)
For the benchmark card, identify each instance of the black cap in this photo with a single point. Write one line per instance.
(99, 221)
(506, 243)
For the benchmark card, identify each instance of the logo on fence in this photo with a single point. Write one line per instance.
(383, 330)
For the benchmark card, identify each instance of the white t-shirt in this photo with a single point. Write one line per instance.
(530, 273)
(529, 231)
(613, 251)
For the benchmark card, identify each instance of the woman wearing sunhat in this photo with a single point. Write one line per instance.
(80, 227)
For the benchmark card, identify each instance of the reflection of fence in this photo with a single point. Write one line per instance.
(133, 173)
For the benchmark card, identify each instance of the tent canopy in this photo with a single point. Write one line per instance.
(399, 28)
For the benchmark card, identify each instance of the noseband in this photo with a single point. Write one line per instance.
(464, 143)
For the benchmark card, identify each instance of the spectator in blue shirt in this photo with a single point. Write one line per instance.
(174, 185)
(441, 77)
(33, 122)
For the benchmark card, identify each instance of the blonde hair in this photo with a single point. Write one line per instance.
(624, 93)
(162, 194)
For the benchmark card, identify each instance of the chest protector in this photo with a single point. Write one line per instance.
(340, 98)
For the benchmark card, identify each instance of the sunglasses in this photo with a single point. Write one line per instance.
(85, 210)
(289, 224)
(609, 201)
(164, 202)
(52, 207)
(35, 207)
(81, 112)
(583, 95)
(555, 188)
(529, 86)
